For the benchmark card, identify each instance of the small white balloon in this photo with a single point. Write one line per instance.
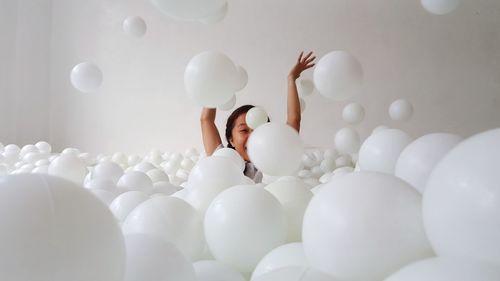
(86, 77)
(135, 26)
(338, 75)
(353, 113)
(255, 117)
(401, 110)
(440, 7)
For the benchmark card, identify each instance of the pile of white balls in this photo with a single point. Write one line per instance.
(398, 209)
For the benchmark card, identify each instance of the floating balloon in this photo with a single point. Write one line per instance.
(338, 76)
(48, 221)
(86, 77)
(255, 117)
(353, 113)
(400, 110)
(211, 79)
(462, 200)
(134, 26)
(447, 269)
(275, 149)
(233, 218)
(284, 256)
(363, 214)
(347, 140)
(440, 7)
(418, 159)
(152, 258)
(380, 151)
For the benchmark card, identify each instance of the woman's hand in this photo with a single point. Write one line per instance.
(302, 64)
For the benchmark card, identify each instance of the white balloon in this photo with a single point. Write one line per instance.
(291, 254)
(233, 218)
(401, 110)
(275, 149)
(440, 7)
(135, 26)
(363, 214)
(86, 77)
(69, 167)
(294, 195)
(305, 87)
(101, 183)
(343, 161)
(255, 117)
(327, 165)
(379, 129)
(164, 187)
(157, 175)
(212, 270)
(211, 79)
(125, 203)
(380, 151)
(447, 269)
(144, 167)
(43, 147)
(353, 113)
(418, 159)
(215, 172)
(107, 170)
(169, 218)
(47, 222)
(152, 258)
(347, 140)
(462, 200)
(228, 105)
(135, 180)
(231, 154)
(242, 78)
(338, 75)
(105, 196)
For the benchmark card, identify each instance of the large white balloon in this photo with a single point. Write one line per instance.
(231, 154)
(219, 172)
(243, 224)
(210, 78)
(440, 7)
(353, 113)
(275, 149)
(418, 159)
(363, 214)
(255, 117)
(86, 77)
(134, 26)
(212, 270)
(152, 258)
(107, 170)
(462, 200)
(294, 195)
(347, 140)
(380, 151)
(338, 75)
(54, 230)
(189, 9)
(447, 269)
(400, 110)
(284, 256)
(169, 218)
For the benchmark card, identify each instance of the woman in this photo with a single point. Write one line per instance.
(237, 131)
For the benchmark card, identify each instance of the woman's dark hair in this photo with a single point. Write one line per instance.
(232, 119)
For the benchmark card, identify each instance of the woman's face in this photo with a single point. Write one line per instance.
(239, 136)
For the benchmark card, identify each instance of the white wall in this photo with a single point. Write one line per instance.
(447, 66)
(24, 80)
